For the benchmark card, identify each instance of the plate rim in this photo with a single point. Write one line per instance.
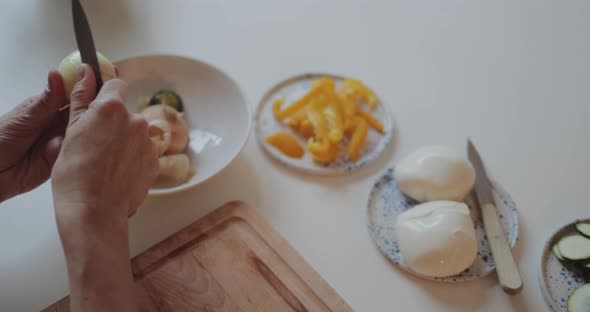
(388, 137)
(248, 113)
(447, 279)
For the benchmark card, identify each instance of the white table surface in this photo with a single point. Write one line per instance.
(512, 75)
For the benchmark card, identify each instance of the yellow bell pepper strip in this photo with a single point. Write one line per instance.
(369, 98)
(349, 106)
(316, 89)
(358, 139)
(356, 90)
(348, 87)
(323, 151)
(326, 83)
(297, 105)
(296, 120)
(366, 95)
(328, 158)
(320, 146)
(349, 128)
(305, 129)
(373, 122)
(276, 106)
(315, 115)
(286, 143)
(333, 113)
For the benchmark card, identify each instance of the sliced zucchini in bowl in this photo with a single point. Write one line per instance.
(579, 300)
(574, 247)
(556, 253)
(583, 228)
(168, 98)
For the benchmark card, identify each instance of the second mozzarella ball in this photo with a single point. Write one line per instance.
(437, 238)
(435, 172)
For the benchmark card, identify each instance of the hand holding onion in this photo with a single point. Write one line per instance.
(168, 130)
(71, 63)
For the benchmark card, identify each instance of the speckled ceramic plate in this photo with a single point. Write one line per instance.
(557, 281)
(386, 202)
(291, 90)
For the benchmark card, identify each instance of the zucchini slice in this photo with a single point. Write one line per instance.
(583, 228)
(556, 253)
(169, 98)
(579, 300)
(574, 247)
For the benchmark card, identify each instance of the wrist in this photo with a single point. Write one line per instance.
(84, 223)
(96, 248)
(93, 215)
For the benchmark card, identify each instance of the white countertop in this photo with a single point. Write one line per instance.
(513, 76)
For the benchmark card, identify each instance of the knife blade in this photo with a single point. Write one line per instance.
(506, 268)
(85, 42)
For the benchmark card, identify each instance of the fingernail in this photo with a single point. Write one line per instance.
(81, 72)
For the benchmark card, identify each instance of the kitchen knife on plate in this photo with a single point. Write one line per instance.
(506, 268)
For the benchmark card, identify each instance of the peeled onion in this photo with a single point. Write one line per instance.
(159, 132)
(176, 167)
(69, 69)
(168, 119)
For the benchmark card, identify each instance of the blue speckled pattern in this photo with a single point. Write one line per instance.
(386, 202)
(291, 90)
(557, 281)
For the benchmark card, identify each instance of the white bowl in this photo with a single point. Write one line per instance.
(216, 112)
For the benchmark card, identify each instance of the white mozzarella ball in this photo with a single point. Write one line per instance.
(437, 238)
(435, 173)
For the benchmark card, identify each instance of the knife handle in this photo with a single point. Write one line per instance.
(505, 266)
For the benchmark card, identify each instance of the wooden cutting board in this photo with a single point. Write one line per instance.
(230, 260)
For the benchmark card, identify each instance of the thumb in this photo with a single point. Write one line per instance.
(83, 92)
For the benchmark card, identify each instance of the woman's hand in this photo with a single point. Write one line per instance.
(30, 139)
(107, 162)
(104, 170)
